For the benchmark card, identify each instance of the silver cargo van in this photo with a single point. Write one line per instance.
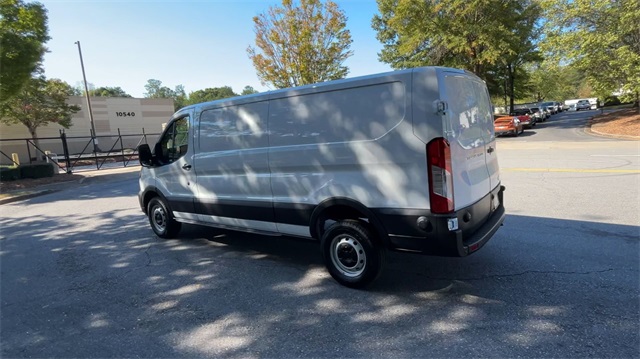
(404, 160)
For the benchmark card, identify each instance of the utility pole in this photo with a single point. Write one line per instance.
(86, 92)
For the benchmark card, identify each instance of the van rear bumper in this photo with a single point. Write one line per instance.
(477, 223)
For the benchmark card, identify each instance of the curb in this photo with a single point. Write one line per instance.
(26, 195)
(594, 132)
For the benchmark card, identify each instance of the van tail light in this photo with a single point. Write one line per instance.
(440, 177)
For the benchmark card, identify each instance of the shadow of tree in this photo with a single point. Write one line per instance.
(99, 284)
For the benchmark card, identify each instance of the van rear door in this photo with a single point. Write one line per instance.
(468, 126)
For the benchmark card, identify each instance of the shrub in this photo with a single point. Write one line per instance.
(36, 170)
(612, 101)
(9, 173)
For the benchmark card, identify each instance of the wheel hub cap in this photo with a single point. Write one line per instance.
(348, 255)
(159, 219)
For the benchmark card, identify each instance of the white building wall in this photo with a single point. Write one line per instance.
(130, 115)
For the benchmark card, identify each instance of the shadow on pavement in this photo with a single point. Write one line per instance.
(115, 290)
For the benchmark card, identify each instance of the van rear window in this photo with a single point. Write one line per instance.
(470, 114)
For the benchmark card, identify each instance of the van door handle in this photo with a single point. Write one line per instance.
(186, 167)
(490, 149)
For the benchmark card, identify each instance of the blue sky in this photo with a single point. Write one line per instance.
(198, 44)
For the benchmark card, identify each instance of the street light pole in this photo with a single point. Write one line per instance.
(86, 92)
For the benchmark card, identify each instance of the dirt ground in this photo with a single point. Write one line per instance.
(623, 124)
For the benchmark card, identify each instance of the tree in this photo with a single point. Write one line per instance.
(458, 33)
(553, 82)
(180, 99)
(156, 90)
(78, 89)
(39, 103)
(23, 33)
(106, 91)
(600, 38)
(211, 94)
(248, 90)
(521, 50)
(298, 45)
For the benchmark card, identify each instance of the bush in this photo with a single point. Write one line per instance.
(612, 101)
(37, 170)
(9, 173)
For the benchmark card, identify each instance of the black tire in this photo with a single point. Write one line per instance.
(351, 254)
(161, 219)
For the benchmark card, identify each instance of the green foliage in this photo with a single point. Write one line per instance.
(36, 170)
(551, 82)
(248, 90)
(612, 101)
(39, 103)
(9, 173)
(211, 94)
(458, 33)
(492, 38)
(300, 44)
(156, 90)
(106, 91)
(23, 33)
(600, 38)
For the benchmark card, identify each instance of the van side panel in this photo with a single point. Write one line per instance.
(353, 142)
(232, 166)
(427, 122)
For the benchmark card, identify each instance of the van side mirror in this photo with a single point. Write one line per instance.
(145, 156)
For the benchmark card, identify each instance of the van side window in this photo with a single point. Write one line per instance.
(175, 142)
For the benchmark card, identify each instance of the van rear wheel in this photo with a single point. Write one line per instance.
(350, 255)
(161, 219)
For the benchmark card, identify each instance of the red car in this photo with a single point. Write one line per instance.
(525, 117)
(508, 125)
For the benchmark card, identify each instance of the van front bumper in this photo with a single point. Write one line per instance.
(426, 233)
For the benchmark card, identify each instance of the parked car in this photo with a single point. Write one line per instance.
(508, 125)
(524, 115)
(559, 106)
(539, 114)
(549, 107)
(583, 105)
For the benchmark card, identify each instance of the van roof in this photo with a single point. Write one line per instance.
(273, 93)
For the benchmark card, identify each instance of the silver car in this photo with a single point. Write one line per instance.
(583, 105)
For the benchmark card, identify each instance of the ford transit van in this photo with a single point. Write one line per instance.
(404, 160)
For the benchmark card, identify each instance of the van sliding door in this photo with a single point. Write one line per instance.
(234, 183)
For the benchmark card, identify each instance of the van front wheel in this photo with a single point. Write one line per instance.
(350, 255)
(161, 219)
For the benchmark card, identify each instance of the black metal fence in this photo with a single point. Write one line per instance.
(71, 153)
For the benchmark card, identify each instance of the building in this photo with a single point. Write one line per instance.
(131, 117)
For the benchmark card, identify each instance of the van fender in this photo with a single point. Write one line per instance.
(147, 194)
(354, 207)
